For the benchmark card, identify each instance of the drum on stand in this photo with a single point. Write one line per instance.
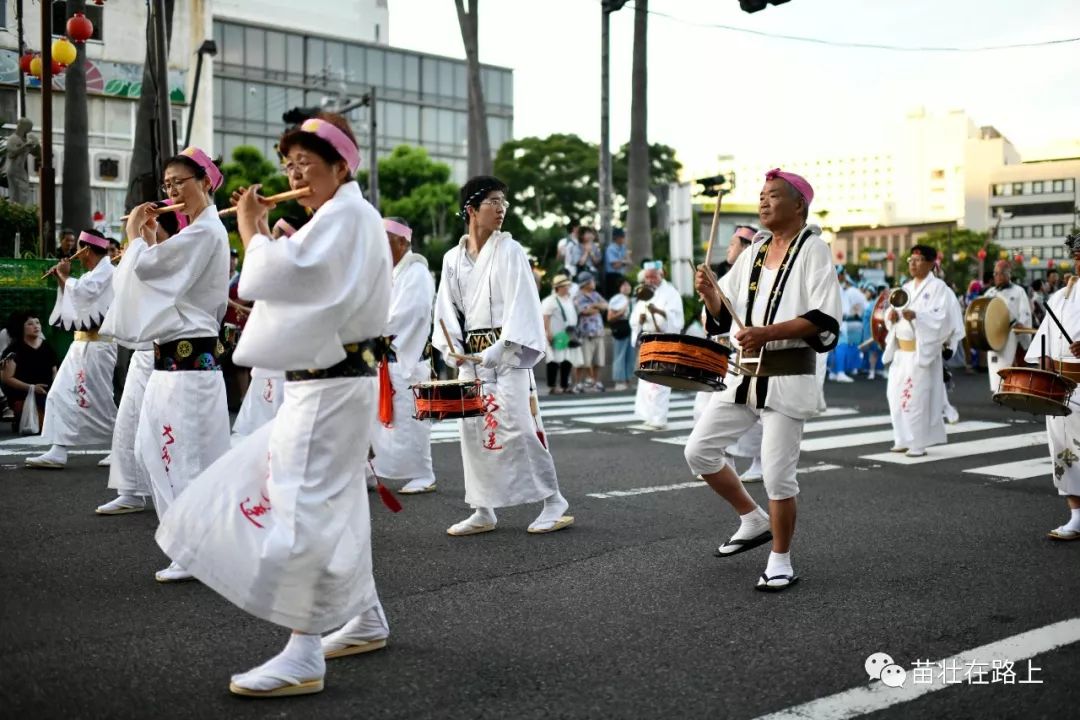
(448, 399)
(1039, 392)
(683, 362)
(986, 324)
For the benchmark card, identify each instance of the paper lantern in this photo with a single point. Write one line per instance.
(57, 66)
(890, 257)
(962, 256)
(1018, 257)
(1050, 263)
(35, 66)
(981, 254)
(840, 255)
(24, 63)
(63, 51)
(79, 28)
(1003, 255)
(1035, 260)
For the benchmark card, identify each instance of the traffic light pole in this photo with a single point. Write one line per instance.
(605, 133)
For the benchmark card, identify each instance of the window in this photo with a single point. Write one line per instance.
(355, 64)
(1069, 185)
(295, 55)
(1018, 188)
(233, 51)
(233, 94)
(3, 17)
(60, 17)
(429, 76)
(275, 52)
(1037, 187)
(428, 126)
(1046, 208)
(254, 48)
(395, 70)
(997, 189)
(1058, 230)
(445, 85)
(412, 124)
(316, 58)
(375, 67)
(1037, 231)
(335, 59)
(412, 73)
(395, 121)
(1059, 186)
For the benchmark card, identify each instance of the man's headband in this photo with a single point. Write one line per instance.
(479, 193)
(92, 239)
(397, 229)
(203, 160)
(338, 140)
(796, 181)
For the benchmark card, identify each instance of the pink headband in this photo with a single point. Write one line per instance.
(745, 233)
(397, 228)
(181, 218)
(286, 229)
(203, 160)
(337, 139)
(796, 181)
(91, 239)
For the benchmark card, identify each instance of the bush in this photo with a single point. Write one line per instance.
(21, 220)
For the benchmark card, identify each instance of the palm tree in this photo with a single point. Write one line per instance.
(638, 228)
(143, 182)
(480, 160)
(76, 171)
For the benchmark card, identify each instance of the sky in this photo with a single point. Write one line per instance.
(714, 91)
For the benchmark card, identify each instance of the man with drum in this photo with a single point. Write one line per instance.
(919, 327)
(786, 300)
(402, 443)
(661, 313)
(1063, 356)
(1019, 318)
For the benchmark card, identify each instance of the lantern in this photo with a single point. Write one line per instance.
(24, 63)
(79, 28)
(1003, 255)
(57, 66)
(63, 51)
(890, 257)
(1034, 260)
(35, 66)
(1018, 257)
(962, 256)
(840, 255)
(1063, 265)
(981, 254)
(1050, 264)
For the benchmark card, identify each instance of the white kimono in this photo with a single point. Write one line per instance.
(953, 343)
(279, 525)
(1063, 433)
(177, 289)
(79, 409)
(403, 450)
(506, 462)
(263, 398)
(1019, 314)
(916, 393)
(651, 401)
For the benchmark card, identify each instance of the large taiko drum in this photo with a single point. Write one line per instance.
(986, 324)
(448, 399)
(683, 362)
(1039, 392)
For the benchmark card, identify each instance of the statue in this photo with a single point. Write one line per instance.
(19, 145)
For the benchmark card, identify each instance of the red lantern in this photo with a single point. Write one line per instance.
(24, 63)
(1049, 263)
(890, 257)
(981, 254)
(1018, 258)
(79, 28)
(840, 255)
(57, 67)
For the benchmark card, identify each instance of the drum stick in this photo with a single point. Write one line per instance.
(177, 207)
(712, 230)
(280, 197)
(723, 298)
(1068, 289)
(1025, 331)
(446, 334)
(73, 258)
(1050, 312)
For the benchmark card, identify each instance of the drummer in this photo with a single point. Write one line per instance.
(662, 313)
(1019, 318)
(1062, 432)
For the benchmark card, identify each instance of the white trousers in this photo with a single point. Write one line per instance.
(1063, 434)
(651, 402)
(127, 473)
(724, 423)
(79, 409)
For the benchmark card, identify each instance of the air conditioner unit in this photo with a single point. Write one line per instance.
(109, 168)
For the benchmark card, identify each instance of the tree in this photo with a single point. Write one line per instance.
(664, 168)
(143, 185)
(418, 189)
(76, 209)
(479, 143)
(958, 251)
(638, 228)
(249, 167)
(551, 180)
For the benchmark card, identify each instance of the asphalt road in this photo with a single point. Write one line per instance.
(625, 615)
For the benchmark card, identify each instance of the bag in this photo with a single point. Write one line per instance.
(620, 329)
(560, 340)
(28, 423)
(565, 338)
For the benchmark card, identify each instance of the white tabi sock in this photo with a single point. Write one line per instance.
(752, 524)
(1074, 521)
(555, 506)
(482, 516)
(779, 564)
(417, 484)
(300, 661)
(365, 627)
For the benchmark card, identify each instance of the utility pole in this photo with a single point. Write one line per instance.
(373, 172)
(22, 51)
(165, 144)
(47, 176)
(606, 8)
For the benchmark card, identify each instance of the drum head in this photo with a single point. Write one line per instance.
(678, 377)
(997, 324)
(1031, 403)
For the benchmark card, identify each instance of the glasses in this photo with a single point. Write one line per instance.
(292, 167)
(168, 185)
(916, 258)
(496, 203)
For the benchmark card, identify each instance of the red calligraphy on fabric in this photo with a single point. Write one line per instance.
(905, 394)
(166, 457)
(491, 423)
(268, 390)
(80, 388)
(251, 511)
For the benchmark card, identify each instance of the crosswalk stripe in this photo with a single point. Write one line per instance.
(958, 450)
(1019, 470)
(631, 417)
(579, 400)
(882, 436)
(601, 409)
(692, 484)
(552, 432)
(831, 412)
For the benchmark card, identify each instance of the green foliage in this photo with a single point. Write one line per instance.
(21, 220)
(249, 167)
(415, 187)
(663, 167)
(958, 251)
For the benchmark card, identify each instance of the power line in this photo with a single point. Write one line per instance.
(863, 45)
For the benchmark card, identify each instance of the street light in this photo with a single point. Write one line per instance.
(209, 47)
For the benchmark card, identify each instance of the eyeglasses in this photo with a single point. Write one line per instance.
(916, 258)
(290, 167)
(496, 203)
(167, 186)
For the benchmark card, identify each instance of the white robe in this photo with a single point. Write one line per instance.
(79, 409)
(177, 289)
(651, 400)
(916, 393)
(1019, 314)
(1063, 433)
(280, 525)
(403, 450)
(263, 398)
(504, 460)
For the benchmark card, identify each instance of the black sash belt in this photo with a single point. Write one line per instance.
(477, 341)
(361, 360)
(788, 361)
(188, 354)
